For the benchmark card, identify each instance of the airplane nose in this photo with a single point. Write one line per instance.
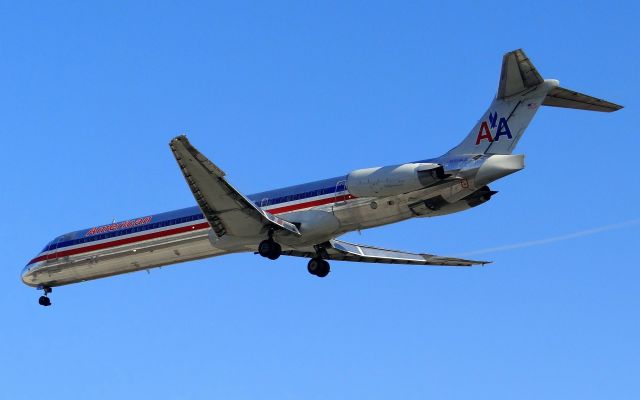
(26, 276)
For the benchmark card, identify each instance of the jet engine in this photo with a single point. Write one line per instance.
(480, 196)
(393, 180)
(439, 206)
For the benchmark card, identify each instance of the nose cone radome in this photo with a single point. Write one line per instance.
(27, 276)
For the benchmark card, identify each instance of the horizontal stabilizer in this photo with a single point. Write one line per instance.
(561, 97)
(344, 251)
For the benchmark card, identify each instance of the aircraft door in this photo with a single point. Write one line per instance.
(53, 255)
(340, 198)
(264, 202)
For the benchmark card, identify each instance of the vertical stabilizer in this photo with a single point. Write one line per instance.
(520, 94)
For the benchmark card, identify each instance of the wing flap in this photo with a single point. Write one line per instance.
(226, 209)
(345, 251)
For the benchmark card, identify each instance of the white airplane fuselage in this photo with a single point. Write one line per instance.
(185, 235)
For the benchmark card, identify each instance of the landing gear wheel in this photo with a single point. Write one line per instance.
(318, 267)
(314, 266)
(276, 251)
(324, 270)
(269, 249)
(44, 300)
(264, 248)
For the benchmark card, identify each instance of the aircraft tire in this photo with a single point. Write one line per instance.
(264, 248)
(318, 267)
(44, 301)
(324, 269)
(275, 252)
(314, 266)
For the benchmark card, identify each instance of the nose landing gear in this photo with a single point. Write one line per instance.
(45, 300)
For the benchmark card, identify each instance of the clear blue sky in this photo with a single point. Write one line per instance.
(278, 93)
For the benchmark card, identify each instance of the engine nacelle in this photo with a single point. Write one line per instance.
(393, 180)
(480, 196)
(439, 206)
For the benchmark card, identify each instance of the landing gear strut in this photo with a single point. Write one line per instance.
(269, 248)
(45, 300)
(317, 265)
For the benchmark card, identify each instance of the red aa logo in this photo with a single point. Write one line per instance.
(485, 129)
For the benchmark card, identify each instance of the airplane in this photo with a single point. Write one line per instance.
(307, 220)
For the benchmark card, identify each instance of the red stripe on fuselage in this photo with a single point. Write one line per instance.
(313, 203)
(123, 241)
(183, 229)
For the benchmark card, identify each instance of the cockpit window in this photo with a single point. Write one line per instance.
(50, 246)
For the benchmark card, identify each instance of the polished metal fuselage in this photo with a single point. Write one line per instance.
(197, 243)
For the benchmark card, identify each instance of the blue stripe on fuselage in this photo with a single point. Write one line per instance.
(270, 198)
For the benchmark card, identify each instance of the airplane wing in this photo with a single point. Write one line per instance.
(226, 209)
(344, 251)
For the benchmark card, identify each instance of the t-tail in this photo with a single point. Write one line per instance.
(521, 92)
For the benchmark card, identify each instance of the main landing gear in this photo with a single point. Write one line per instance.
(45, 300)
(318, 266)
(269, 248)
